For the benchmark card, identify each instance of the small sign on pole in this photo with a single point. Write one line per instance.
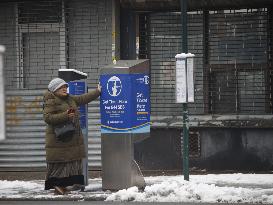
(185, 94)
(184, 78)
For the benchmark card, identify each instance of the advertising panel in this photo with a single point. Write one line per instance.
(125, 103)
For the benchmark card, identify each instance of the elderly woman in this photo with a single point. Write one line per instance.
(64, 155)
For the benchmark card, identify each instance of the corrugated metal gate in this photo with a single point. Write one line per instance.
(165, 43)
(233, 50)
(24, 146)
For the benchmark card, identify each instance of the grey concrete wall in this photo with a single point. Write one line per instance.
(259, 142)
(161, 151)
(220, 150)
(236, 149)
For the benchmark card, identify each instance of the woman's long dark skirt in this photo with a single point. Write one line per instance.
(64, 174)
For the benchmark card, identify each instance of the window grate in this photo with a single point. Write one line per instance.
(43, 36)
(194, 144)
(49, 11)
(233, 61)
(238, 62)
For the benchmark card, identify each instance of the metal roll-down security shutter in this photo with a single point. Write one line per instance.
(25, 140)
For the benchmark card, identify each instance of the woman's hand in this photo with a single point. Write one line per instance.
(99, 87)
(71, 116)
(71, 113)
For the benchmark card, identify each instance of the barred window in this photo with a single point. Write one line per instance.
(238, 62)
(40, 12)
(232, 60)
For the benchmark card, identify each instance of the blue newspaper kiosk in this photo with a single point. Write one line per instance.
(125, 120)
(77, 86)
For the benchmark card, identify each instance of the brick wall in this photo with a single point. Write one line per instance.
(82, 40)
(89, 36)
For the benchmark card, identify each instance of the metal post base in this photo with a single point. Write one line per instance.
(119, 169)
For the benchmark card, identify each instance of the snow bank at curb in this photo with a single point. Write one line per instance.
(200, 189)
(211, 188)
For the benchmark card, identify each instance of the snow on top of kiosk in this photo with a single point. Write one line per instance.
(73, 70)
(184, 55)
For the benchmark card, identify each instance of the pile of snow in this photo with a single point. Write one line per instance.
(228, 188)
(211, 188)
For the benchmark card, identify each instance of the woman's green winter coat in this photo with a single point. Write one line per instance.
(55, 112)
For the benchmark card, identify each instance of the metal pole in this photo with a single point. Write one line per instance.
(183, 5)
(2, 96)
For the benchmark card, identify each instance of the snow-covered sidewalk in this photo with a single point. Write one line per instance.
(213, 188)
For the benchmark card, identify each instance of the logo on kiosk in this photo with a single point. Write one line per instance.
(114, 86)
(144, 79)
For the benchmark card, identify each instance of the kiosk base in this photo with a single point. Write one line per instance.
(119, 169)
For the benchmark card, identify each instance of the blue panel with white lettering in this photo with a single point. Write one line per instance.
(79, 88)
(141, 106)
(125, 103)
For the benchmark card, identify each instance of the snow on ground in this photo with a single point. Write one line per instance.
(34, 190)
(230, 188)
